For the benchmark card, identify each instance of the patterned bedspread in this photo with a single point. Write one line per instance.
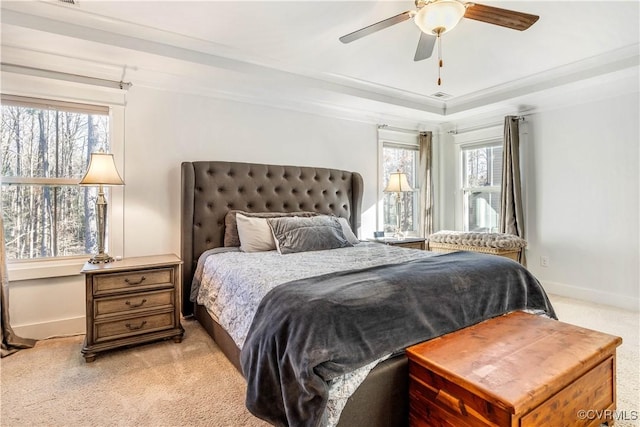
(231, 284)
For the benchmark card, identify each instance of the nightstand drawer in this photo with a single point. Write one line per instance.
(412, 245)
(133, 303)
(407, 242)
(133, 281)
(133, 326)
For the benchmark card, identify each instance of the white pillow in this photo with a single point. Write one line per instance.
(255, 234)
(346, 230)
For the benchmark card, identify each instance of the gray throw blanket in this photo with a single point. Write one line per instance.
(309, 331)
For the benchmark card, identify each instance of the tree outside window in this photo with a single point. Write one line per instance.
(45, 149)
(482, 179)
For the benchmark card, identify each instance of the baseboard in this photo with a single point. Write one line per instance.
(54, 328)
(591, 295)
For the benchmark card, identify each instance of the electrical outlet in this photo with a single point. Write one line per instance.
(544, 261)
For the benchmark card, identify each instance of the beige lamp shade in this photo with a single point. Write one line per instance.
(102, 171)
(397, 183)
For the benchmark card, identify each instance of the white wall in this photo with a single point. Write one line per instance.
(581, 185)
(163, 129)
(583, 198)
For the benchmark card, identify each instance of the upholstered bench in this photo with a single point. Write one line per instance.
(514, 370)
(506, 245)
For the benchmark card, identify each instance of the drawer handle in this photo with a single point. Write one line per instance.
(452, 402)
(135, 328)
(142, 279)
(135, 305)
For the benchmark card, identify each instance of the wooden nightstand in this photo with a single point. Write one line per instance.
(132, 301)
(409, 242)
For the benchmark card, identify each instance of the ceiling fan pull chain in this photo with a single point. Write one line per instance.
(439, 58)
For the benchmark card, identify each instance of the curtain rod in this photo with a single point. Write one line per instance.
(395, 129)
(76, 78)
(481, 127)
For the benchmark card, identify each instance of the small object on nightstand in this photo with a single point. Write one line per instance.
(407, 242)
(133, 301)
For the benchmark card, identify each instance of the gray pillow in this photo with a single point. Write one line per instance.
(296, 234)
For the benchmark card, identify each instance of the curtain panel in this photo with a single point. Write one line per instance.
(426, 181)
(511, 212)
(10, 341)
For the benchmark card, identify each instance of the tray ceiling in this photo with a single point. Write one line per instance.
(287, 53)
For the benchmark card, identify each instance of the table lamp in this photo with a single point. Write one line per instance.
(398, 184)
(102, 171)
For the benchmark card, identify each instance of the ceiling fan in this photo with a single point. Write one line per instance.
(436, 17)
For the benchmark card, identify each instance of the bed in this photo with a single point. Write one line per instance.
(210, 189)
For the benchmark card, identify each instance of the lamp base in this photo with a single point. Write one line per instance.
(101, 258)
(399, 235)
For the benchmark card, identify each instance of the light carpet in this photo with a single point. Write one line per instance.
(193, 384)
(158, 384)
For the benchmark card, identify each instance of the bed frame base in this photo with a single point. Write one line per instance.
(219, 335)
(368, 406)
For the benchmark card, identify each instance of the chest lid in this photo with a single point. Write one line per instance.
(517, 360)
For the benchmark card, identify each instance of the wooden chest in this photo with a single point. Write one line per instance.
(515, 370)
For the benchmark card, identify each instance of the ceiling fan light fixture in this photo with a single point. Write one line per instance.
(439, 16)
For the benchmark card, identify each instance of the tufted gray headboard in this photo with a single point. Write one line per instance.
(211, 189)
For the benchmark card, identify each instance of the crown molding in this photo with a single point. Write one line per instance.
(607, 63)
(272, 97)
(182, 48)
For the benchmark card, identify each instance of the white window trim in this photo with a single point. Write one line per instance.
(38, 181)
(44, 268)
(460, 219)
(399, 139)
(38, 87)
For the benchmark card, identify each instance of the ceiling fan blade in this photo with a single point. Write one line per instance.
(502, 17)
(425, 46)
(376, 27)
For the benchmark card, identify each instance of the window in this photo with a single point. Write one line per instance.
(481, 182)
(402, 157)
(45, 148)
